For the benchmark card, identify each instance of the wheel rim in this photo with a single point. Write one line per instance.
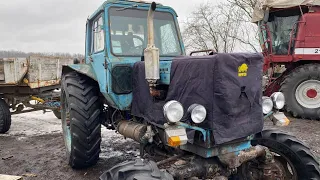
(308, 94)
(65, 117)
(282, 169)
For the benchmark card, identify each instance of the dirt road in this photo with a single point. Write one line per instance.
(34, 147)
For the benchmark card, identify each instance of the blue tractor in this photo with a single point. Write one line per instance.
(203, 116)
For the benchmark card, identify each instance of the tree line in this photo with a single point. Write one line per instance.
(21, 54)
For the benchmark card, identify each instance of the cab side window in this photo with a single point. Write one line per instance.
(98, 35)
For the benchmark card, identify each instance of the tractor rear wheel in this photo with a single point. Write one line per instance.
(302, 91)
(5, 117)
(81, 111)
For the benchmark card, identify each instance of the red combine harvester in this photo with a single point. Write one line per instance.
(290, 40)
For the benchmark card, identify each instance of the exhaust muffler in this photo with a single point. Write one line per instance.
(151, 53)
(138, 132)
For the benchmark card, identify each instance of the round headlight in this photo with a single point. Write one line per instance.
(173, 111)
(198, 113)
(278, 100)
(267, 105)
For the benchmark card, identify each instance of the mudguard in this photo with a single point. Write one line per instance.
(80, 68)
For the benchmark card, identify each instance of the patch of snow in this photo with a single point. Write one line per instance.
(34, 124)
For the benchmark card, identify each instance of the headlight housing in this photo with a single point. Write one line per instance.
(173, 111)
(267, 105)
(278, 100)
(198, 113)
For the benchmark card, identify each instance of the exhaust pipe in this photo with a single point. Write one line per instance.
(151, 53)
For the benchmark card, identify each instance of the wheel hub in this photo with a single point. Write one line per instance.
(307, 94)
(312, 93)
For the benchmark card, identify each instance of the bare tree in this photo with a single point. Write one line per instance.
(246, 6)
(248, 36)
(224, 28)
(211, 27)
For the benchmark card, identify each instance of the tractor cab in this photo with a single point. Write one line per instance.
(119, 29)
(116, 37)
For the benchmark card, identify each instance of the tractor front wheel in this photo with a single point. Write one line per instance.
(292, 159)
(302, 91)
(81, 111)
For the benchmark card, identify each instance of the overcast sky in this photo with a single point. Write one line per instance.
(56, 25)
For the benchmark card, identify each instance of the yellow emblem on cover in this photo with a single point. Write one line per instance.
(243, 70)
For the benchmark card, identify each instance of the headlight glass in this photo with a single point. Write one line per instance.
(173, 111)
(198, 113)
(267, 105)
(278, 100)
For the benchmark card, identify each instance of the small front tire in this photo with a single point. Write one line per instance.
(138, 170)
(295, 158)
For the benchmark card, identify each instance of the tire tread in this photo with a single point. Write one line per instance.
(85, 113)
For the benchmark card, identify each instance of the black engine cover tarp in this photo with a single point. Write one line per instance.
(232, 100)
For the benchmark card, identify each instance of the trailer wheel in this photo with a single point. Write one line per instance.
(57, 113)
(5, 117)
(81, 119)
(138, 169)
(302, 91)
(293, 160)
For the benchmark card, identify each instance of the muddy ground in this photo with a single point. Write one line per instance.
(34, 148)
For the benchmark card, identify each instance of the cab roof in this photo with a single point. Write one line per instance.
(263, 5)
(141, 3)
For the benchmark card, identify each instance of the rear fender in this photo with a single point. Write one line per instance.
(80, 68)
(87, 70)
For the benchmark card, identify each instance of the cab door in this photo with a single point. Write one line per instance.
(97, 56)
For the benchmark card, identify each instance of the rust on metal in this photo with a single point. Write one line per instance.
(234, 161)
(12, 70)
(35, 71)
(132, 130)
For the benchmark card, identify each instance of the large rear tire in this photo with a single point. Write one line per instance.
(81, 111)
(302, 91)
(5, 117)
(289, 151)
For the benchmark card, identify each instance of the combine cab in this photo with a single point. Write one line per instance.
(290, 39)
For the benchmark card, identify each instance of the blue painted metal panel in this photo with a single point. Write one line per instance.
(205, 133)
(124, 101)
(218, 150)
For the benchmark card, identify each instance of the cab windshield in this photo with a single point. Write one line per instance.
(129, 33)
(280, 27)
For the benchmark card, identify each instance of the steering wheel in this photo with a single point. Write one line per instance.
(137, 49)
